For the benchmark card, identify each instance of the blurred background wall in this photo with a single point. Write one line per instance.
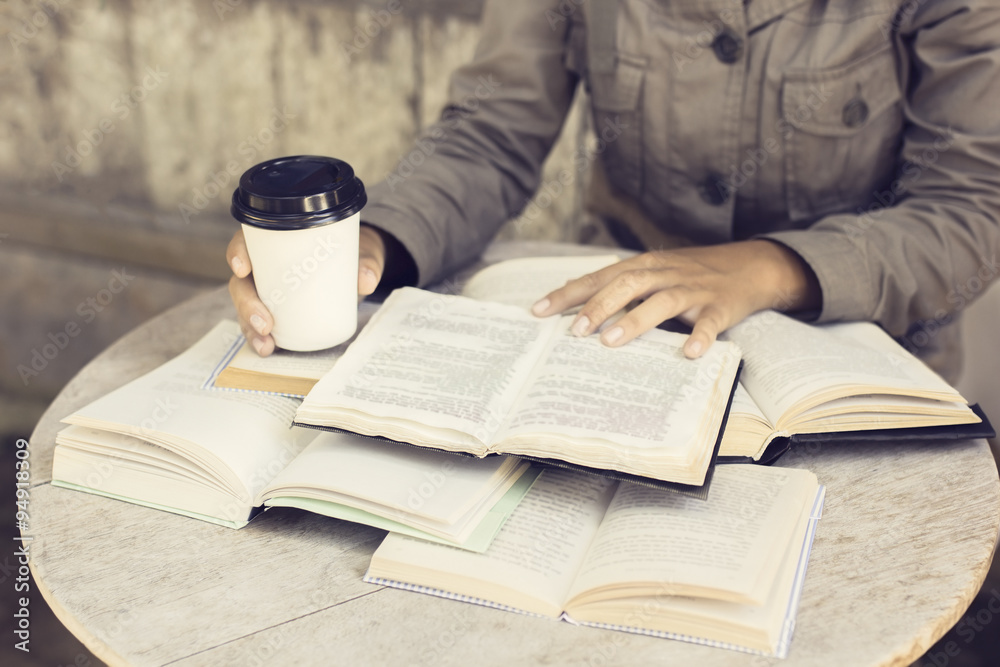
(122, 122)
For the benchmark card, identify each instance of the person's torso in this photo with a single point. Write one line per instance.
(723, 121)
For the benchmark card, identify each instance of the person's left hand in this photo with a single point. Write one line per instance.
(711, 288)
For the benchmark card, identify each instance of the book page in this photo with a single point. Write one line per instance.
(767, 628)
(115, 448)
(441, 361)
(244, 438)
(869, 412)
(644, 395)
(523, 281)
(309, 365)
(790, 365)
(871, 336)
(128, 468)
(727, 547)
(744, 405)
(531, 563)
(747, 428)
(430, 488)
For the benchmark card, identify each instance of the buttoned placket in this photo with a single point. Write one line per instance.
(748, 213)
(729, 48)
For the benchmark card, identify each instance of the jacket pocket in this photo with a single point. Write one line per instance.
(617, 111)
(842, 128)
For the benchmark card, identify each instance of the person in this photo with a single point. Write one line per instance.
(835, 159)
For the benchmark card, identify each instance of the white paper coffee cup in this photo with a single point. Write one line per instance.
(300, 218)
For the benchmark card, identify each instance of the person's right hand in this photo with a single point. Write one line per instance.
(255, 319)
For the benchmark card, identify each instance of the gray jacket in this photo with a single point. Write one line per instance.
(864, 135)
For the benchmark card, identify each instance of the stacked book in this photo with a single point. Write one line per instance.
(517, 466)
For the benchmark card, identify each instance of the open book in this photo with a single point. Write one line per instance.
(164, 441)
(801, 380)
(480, 377)
(727, 571)
(517, 282)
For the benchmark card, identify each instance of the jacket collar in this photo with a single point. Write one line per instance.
(757, 12)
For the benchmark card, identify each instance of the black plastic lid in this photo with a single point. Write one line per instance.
(298, 192)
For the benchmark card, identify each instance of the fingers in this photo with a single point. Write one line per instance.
(371, 260)
(237, 256)
(255, 319)
(665, 292)
(662, 305)
(710, 323)
(712, 287)
(577, 291)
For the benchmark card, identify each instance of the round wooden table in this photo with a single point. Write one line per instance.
(905, 542)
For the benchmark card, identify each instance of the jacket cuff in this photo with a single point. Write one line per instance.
(405, 229)
(840, 268)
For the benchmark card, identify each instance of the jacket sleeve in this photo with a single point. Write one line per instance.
(480, 163)
(933, 246)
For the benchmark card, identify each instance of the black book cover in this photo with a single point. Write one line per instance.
(779, 446)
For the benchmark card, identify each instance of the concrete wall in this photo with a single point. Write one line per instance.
(122, 123)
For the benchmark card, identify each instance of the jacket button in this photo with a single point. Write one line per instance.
(855, 113)
(714, 190)
(728, 47)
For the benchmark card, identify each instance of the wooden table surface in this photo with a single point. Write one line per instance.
(906, 539)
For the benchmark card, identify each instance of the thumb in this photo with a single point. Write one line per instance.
(368, 277)
(371, 260)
